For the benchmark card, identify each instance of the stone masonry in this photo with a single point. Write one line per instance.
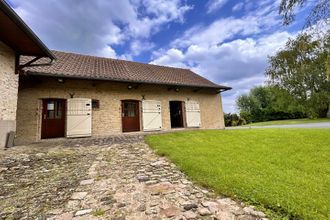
(8, 92)
(107, 119)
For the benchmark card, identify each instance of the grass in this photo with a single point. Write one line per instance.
(290, 122)
(283, 171)
(98, 212)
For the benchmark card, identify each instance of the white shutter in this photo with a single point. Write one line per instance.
(151, 115)
(193, 114)
(79, 117)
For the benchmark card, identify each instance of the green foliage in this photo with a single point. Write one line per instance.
(265, 103)
(233, 120)
(285, 170)
(301, 70)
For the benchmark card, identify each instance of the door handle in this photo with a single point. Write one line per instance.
(44, 116)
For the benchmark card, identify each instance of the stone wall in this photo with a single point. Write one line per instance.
(8, 92)
(107, 119)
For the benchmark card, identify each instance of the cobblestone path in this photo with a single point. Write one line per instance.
(107, 181)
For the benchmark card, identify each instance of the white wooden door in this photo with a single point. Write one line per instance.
(151, 115)
(193, 114)
(79, 117)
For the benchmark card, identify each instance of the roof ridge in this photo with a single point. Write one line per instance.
(115, 59)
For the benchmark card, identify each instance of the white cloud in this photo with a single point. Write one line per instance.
(226, 28)
(239, 63)
(107, 52)
(172, 57)
(159, 12)
(233, 59)
(214, 5)
(238, 6)
(139, 46)
(90, 26)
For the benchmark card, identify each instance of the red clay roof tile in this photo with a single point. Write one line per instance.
(73, 65)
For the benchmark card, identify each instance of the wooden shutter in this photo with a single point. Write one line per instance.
(193, 114)
(151, 115)
(79, 117)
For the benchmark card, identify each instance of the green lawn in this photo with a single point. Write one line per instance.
(283, 171)
(290, 122)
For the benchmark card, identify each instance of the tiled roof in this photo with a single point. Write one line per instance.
(73, 65)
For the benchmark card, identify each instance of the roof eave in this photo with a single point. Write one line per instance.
(225, 88)
(216, 87)
(21, 24)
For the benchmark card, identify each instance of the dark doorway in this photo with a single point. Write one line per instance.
(53, 118)
(176, 114)
(130, 115)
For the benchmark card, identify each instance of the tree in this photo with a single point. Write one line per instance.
(302, 69)
(320, 11)
(266, 103)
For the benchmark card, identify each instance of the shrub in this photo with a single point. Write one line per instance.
(233, 120)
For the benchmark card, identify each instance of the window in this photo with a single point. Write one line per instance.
(129, 109)
(95, 104)
(54, 109)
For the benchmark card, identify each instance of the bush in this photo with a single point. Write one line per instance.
(246, 116)
(233, 120)
(242, 121)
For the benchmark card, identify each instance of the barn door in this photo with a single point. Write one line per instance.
(193, 114)
(151, 115)
(130, 115)
(53, 118)
(79, 117)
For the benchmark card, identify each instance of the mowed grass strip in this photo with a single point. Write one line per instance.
(283, 170)
(290, 122)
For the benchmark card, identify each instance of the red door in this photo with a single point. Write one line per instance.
(130, 115)
(53, 118)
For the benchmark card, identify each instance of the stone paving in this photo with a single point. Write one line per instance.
(94, 141)
(127, 180)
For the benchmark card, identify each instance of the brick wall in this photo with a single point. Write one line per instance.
(8, 92)
(107, 119)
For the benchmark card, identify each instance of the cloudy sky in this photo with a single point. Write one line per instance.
(226, 41)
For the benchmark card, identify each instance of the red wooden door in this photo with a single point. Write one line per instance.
(53, 118)
(130, 115)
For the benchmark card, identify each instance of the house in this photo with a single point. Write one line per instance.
(16, 39)
(71, 95)
(112, 96)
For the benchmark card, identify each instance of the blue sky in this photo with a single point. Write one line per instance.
(226, 41)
